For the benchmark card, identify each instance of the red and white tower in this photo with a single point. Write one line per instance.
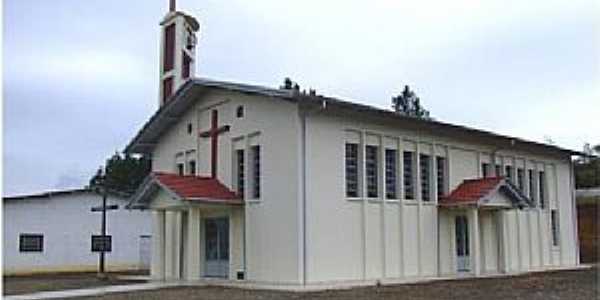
(177, 51)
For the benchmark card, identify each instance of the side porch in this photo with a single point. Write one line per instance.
(197, 227)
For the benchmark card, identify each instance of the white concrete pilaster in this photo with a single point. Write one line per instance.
(157, 269)
(177, 245)
(170, 220)
(475, 244)
(193, 244)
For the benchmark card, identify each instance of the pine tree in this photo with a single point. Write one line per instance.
(408, 104)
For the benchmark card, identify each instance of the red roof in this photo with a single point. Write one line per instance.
(198, 188)
(471, 191)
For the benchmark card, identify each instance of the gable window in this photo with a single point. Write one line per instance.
(409, 187)
(425, 163)
(531, 184)
(239, 111)
(508, 172)
(441, 175)
(485, 170)
(180, 169)
(239, 154)
(521, 179)
(351, 170)
(255, 150)
(542, 192)
(371, 168)
(192, 167)
(555, 228)
(391, 163)
(31, 242)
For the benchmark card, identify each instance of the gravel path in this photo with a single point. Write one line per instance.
(572, 285)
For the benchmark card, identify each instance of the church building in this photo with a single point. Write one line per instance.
(277, 186)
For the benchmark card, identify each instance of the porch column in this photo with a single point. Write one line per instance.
(157, 269)
(193, 244)
(170, 245)
(475, 245)
(504, 241)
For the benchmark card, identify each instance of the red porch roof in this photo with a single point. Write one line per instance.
(471, 191)
(192, 188)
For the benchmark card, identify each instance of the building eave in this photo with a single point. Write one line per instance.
(185, 96)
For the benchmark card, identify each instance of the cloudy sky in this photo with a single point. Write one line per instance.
(80, 77)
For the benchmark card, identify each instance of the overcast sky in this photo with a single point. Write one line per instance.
(80, 77)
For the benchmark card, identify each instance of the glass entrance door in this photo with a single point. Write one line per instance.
(217, 247)
(463, 261)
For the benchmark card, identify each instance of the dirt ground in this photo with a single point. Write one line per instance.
(572, 285)
(14, 285)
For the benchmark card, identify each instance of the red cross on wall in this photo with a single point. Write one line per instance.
(214, 133)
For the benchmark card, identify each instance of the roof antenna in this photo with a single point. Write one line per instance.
(172, 5)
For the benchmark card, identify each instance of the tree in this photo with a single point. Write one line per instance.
(288, 84)
(587, 169)
(123, 173)
(409, 104)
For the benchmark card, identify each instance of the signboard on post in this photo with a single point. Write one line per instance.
(101, 243)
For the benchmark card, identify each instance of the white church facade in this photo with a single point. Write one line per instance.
(281, 187)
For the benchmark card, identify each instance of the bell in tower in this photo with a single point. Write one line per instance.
(178, 51)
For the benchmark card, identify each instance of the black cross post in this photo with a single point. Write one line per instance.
(103, 209)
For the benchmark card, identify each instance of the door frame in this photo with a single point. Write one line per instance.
(464, 260)
(227, 262)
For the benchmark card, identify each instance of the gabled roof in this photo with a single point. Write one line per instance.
(190, 188)
(477, 192)
(185, 97)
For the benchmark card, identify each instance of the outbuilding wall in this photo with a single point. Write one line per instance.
(67, 225)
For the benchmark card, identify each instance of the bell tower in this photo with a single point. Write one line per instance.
(177, 51)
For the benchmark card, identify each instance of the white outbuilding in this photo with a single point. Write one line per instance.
(52, 232)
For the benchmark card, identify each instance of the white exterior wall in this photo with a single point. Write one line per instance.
(67, 225)
(368, 239)
(271, 226)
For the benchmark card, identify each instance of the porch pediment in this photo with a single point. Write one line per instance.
(161, 190)
(492, 192)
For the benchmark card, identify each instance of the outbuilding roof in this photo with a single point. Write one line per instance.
(186, 95)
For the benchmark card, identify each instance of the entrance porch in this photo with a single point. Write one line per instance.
(476, 218)
(198, 227)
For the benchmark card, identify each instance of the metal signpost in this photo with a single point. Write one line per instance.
(102, 243)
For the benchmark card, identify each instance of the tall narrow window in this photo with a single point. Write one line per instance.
(186, 66)
(441, 176)
(255, 172)
(169, 54)
(485, 170)
(167, 89)
(390, 173)
(192, 167)
(498, 171)
(542, 185)
(508, 172)
(531, 184)
(555, 228)
(521, 179)
(351, 170)
(180, 169)
(425, 163)
(239, 154)
(371, 169)
(409, 187)
(31, 243)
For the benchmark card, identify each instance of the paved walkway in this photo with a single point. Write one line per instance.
(94, 291)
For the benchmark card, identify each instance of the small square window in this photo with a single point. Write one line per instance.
(31, 243)
(239, 112)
